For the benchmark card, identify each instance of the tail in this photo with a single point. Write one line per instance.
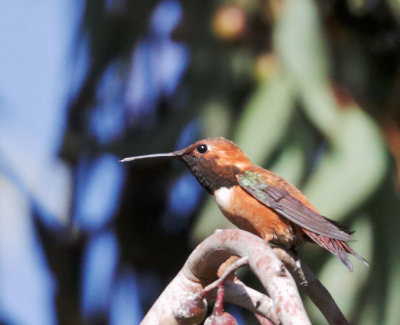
(336, 247)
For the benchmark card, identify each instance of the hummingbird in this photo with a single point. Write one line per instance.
(259, 201)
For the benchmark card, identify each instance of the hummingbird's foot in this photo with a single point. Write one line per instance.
(270, 238)
(298, 265)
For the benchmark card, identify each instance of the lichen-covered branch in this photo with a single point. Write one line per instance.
(180, 302)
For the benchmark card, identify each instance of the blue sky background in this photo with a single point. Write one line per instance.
(41, 67)
(35, 52)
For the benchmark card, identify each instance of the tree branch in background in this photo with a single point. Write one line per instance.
(312, 287)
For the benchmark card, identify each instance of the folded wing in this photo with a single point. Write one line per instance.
(286, 205)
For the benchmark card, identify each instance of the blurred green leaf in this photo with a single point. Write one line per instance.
(393, 296)
(291, 163)
(300, 47)
(210, 218)
(217, 117)
(395, 6)
(351, 170)
(265, 118)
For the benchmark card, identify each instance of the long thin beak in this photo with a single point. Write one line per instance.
(175, 154)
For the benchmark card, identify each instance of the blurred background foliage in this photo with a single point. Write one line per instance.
(309, 89)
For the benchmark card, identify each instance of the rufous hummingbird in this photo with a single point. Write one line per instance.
(259, 201)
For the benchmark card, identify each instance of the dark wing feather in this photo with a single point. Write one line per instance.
(289, 207)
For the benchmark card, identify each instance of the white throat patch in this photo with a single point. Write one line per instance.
(223, 197)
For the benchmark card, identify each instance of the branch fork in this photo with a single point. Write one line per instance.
(185, 299)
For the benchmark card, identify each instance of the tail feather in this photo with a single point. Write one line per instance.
(354, 253)
(336, 247)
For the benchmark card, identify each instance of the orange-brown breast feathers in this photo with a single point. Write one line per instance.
(247, 213)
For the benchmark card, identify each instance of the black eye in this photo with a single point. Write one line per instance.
(201, 148)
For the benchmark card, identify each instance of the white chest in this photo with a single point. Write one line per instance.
(223, 197)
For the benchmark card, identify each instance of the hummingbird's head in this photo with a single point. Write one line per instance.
(215, 162)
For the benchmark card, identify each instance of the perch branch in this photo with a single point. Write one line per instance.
(201, 268)
(262, 320)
